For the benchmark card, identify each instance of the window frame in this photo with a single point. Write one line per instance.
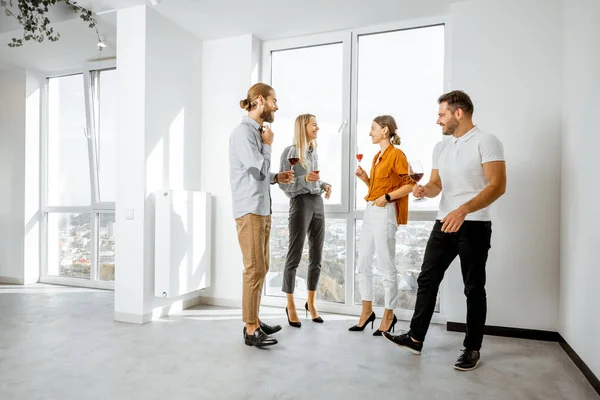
(343, 38)
(95, 208)
(347, 210)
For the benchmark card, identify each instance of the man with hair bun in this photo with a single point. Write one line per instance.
(251, 177)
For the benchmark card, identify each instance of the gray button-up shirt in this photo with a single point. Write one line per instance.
(250, 170)
(300, 185)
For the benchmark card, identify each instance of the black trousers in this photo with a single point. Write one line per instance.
(471, 243)
(307, 216)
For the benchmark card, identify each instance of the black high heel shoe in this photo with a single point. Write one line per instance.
(318, 319)
(357, 328)
(391, 328)
(294, 324)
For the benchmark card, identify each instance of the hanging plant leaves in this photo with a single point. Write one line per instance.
(32, 16)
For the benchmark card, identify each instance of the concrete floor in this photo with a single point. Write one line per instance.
(61, 343)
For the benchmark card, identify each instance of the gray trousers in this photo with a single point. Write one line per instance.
(307, 216)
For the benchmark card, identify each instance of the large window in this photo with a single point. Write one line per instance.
(69, 245)
(331, 282)
(347, 79)
(68, 167)
(104, 85)
(80, 179)
(310, 80)
(401, 74)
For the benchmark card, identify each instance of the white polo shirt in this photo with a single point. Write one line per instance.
(459, 162)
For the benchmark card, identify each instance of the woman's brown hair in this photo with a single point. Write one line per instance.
(389, 122)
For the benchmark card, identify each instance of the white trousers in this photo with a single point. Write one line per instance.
(378, 237)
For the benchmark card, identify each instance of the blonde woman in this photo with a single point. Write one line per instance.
(387, 207)
(307, 215)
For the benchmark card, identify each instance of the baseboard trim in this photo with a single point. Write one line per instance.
(158, 312)
(532, 334)
(220, 302)
(130, 318)
(579, 363)
(11, 281)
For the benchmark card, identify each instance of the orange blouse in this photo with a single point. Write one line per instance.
(390, 174)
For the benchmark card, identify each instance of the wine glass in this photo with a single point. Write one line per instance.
(315, 167)
(293, 157)
(416, 172)
(359, 157)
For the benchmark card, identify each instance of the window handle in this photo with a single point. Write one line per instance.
(343, 125)
(86, 134)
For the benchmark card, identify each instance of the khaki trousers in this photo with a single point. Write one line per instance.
(253, 235)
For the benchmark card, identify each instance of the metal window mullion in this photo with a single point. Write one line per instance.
(350, 252)
(91, 136)
(347, 182)
(352, 126)
(44, 181)
(94, 238)
(104, 207)
(346, 116)
(91, 124)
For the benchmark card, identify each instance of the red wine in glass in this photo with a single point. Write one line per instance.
(359, 157)
(293, 157)
(416, 177)
(416, 172)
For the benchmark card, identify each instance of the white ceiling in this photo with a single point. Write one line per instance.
(272, 19)
(208, 19)
(76, 45)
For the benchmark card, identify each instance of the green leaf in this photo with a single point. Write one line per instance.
(32, 16)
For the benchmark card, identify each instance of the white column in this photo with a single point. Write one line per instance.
(12, 175)
(159, 67)
(131, 165)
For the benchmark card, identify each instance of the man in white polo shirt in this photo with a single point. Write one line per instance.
(469, 165)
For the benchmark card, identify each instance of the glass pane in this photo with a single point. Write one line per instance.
(401, 74)
(106, 248)
(331, 282)
(68, 161)
(411, 241)
(69, 245)
(309, 80)
(107, 134)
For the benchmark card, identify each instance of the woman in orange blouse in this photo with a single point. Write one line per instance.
(387, 206)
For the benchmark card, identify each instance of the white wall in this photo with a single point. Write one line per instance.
(12, 174)
(507, 71)
(229, 68)
(33, 216)
(159, 66)
(506, 55)
(20, 97)
(580, 266)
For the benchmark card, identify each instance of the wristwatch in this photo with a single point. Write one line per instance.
(388, 198)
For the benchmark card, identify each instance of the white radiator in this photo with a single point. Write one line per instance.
(182, 247)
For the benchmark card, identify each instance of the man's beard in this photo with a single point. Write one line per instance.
(267, 115)
(450, 128)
